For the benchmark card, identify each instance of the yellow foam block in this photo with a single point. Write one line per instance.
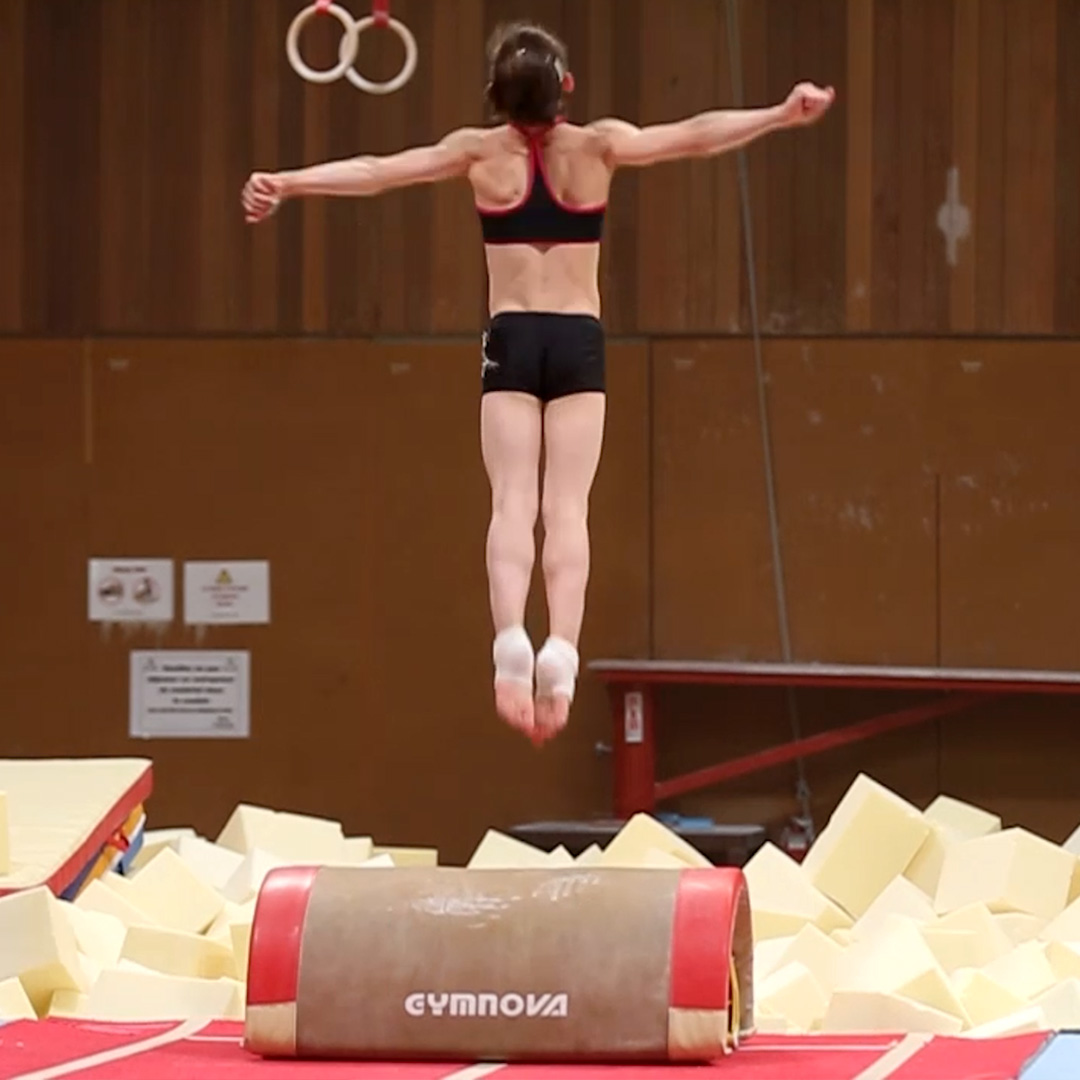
(793, 993)
(866, 1011)
(985, 998)
(956, 950)
(99, 936)
(783, 900)
(962, 818)
(154, 840)
(66, 1005)
(356, 850)
(897, 960)
(170, 891)
(497, 851)
(1013, 870)
(173, 952)
(1065, 927)
(240, 939)
(37, 946)
(1018, 927)
(899, 897)
(297, 838)
(1061, 1006)
(1074, 885)
(643, 833)
(1026, 970)
(5, 835)
(247, 881)
(100, 898)
(14, 1004)
(409, 856)
(211, 862)
(131, 995)
(924, 870)
(1064, 959)
(870, 839)
(1030, 1019)
(843, 938)
(817, 952)
(590, 856)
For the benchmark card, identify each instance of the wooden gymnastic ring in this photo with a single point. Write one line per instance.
(439, 963)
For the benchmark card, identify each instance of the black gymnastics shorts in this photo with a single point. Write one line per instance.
(543, 354)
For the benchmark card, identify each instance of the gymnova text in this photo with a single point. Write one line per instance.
(508, 1005)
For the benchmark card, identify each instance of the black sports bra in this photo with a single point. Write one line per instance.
(541, 218)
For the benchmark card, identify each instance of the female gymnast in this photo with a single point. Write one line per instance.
(540, 186)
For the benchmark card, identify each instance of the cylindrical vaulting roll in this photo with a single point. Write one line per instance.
(577, 964)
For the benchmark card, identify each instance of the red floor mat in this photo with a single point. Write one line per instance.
(214, 1052)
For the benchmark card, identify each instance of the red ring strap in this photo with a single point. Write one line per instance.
(380, 10)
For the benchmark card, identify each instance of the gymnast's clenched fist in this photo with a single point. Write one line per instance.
(262, 196)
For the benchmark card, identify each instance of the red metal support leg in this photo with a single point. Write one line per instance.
(634, 748)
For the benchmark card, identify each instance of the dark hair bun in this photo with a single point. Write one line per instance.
(527, 66)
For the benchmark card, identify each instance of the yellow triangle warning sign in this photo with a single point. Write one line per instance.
(224, 578)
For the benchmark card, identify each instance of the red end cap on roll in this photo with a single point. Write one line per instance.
(276, 932)
(702, 937)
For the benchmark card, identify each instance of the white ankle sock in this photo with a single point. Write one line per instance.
(513, 656)
(556, 669)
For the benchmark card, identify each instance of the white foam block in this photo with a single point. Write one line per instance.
(408, 856)
(1074, 887)
(793, 993)
(1030, 1019)
(641, 834)
(956, 950)
(985, 998)
(817, 952)
(1061, 1006)
(14, 1004)
(590, 856)
(356, 850)
(1013, 870)
(897, 960)
(66, 1005)
(924, 870)
(240, 935)
(211, 862)
(1066, 927)
(870, 839)
(98, 897)
(154, 840)
(173, 952)
(866, 1011)
(1026, 970)
(560, 857)
(783, 900)
(98, 936)
(221, 928)
(497, 851)
(1072, 845)
(5, 835)
(1064, 959)
(899, 897)
(170, 891)
(296, 838)
(247, 881)
(767, 956)
(1019, 927)
(37, 946)
(961, 818)
(976, 919)
(130, 995)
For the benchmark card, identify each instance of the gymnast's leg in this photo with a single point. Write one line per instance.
(510, 431)
(573, 436)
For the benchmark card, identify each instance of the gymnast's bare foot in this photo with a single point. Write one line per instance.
(556, 672)
(514, 704)
(552, 713)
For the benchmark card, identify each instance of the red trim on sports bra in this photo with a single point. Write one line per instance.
(536, 158)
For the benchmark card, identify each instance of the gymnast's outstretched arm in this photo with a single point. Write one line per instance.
(709, 133)
(366, 175)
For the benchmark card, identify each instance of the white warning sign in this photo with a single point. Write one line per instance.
(236, 593)
(130, 590)
(184, 694)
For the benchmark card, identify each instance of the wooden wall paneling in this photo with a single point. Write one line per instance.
(1009, 511)
(888, 149)
(819, 189)
(458, 68)
(1067, 157)
(12, 162)
(859, 108)
(1030, 76)
(753, 21)
(713, 590)
(989, 238)
(856, 499)
(678, 77)
(965, 159)
(125, 268)
(267, 73)
(46, 687)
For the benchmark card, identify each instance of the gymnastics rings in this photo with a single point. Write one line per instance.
(350, 45)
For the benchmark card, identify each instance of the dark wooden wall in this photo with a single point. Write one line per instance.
(129, 127)
(175, 383)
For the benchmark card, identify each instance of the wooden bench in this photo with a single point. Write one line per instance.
(631, 686)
